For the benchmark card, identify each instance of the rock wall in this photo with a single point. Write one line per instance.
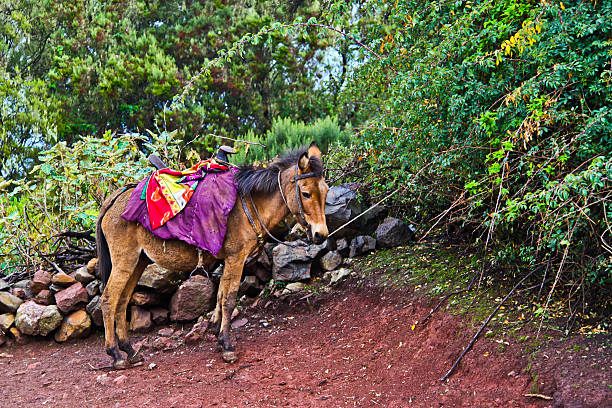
(68, 306)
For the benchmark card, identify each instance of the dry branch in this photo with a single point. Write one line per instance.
(471, 344)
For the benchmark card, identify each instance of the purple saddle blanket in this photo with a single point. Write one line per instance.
(203, 221)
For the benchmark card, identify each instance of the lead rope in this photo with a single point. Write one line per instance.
(280, 188)
(372, 207)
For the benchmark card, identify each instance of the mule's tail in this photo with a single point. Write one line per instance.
(104, 259)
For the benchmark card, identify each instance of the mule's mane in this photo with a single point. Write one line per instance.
(252, 179)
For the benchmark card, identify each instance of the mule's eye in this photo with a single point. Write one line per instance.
(305, 194)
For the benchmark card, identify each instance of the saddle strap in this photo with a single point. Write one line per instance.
(250, 218)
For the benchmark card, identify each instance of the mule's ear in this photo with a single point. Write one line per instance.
(313, 150)
(304, 163)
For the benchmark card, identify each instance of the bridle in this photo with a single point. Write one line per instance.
(300, 215)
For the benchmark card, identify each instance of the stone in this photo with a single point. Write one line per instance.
(56, 288)
(166, 343)
(239, 322)
(62, 280)
(342, 204)
(165, 332)
(145, 299)
(249, 286)
(294, 271)
(72, 298)
(264, 274)
(37, 320)
(293, 263)
(82, 275)
(331, 260)
(74, 326)
(6, 321)
(193, 298)
(44, 297)
(23, 284)
(342, 247)
(159, 315)
(94, 309)
(92, 266)
(161, 280)
(22, 289)
(197, 332)
(218, 272)
(264, 260)
(339, 274)
(41, 281)
(120, 380)
(393, 232)
(17, 335)
(103, 379)
(4, 285)
(140, 319)
(269, 250)
(2, 338)
(292, 288)
(18, 292)
(93, 287)
(9, 303)
(362, 245)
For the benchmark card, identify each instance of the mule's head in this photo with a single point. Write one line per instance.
(312, 193)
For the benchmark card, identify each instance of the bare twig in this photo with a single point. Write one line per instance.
(371, 207)
(542, 396)
(471, 344)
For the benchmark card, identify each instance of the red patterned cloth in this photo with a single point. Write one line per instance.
(168, 191)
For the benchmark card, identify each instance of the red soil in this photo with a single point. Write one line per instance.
(354, 347)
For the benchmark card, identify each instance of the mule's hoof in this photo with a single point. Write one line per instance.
(120, 365)
(136, 358)
(229, 356)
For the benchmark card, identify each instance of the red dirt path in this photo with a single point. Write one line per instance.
(355, 347)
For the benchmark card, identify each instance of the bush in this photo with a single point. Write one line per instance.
(286, 134)
(497, 116)
(65, 191)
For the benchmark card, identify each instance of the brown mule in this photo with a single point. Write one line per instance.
(292, 184)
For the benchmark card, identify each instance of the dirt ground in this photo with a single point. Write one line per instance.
(356, 346)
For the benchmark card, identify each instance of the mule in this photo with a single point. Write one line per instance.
(292, 184)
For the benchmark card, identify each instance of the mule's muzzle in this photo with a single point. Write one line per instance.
(319, 238)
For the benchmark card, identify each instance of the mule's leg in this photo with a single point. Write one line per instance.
(120, 314)
(215, 320)
(228, 288)
(123, 269)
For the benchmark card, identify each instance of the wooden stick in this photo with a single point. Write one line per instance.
(469, 347)
(546, 397)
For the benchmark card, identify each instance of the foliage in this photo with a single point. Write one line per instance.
(492, 118)
(495, 116)
(106, 65)
(285, 135)
(65, 190)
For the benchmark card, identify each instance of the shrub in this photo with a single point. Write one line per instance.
(497, 116)
(65, 190)
(286, 134)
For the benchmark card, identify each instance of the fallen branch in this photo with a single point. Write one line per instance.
(111, 368)
(233, 372)
(542, 396)
(471, 344)
(88, 235)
